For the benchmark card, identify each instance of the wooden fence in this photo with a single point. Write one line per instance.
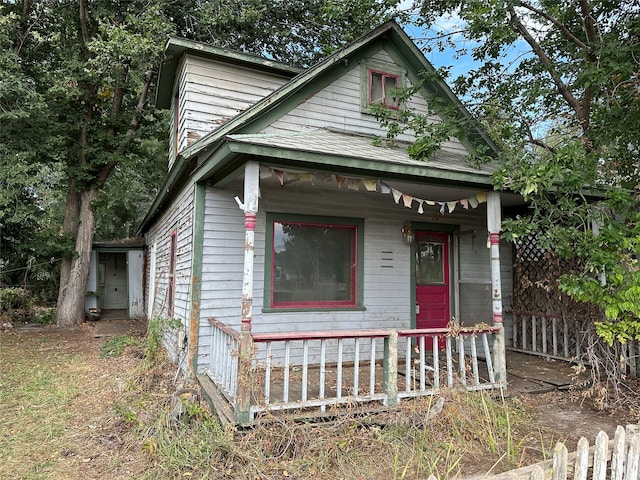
(617, 459)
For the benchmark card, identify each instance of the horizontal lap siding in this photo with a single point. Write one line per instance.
(178, 216)
(338, 106)
(387, 259)
(215, 92)
(475, 276)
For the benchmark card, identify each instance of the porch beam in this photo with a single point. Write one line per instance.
(494, 225)
(250, 208)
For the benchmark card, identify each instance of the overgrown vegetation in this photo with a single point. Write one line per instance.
(69, 412)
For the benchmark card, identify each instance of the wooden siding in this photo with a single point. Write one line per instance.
(179, 217)
(387, 282)
(338, 106)
(475, 278)
(211, 93)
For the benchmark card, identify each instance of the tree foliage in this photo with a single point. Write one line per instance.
(83, 144)
(557, 85)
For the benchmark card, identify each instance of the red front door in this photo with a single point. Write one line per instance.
(432, 280)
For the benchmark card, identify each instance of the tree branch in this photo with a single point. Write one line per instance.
(590, 30)
(84, 23)
(105, 171)
(563, 28)
(563, 89)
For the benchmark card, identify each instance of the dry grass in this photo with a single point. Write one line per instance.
(68, 413)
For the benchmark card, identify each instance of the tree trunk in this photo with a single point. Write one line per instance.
(70, 310)
(69, 227)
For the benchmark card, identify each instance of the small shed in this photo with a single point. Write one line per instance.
(116, 278)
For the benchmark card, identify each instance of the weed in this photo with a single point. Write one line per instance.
(156, 331)
(114, 347)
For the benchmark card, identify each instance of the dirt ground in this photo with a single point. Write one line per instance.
(90, 444)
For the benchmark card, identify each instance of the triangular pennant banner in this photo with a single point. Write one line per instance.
(420, 209)
(280, 175)
(371, 184)
(451, 206)
(464, 203)
(306, 177)
(442, 205)
(265, 172)
(353, 183)
(396, 195)
(384, 188)
(473, 201)
(340, 180)
(407, 200)
(482, 197)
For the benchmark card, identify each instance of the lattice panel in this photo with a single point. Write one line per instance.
(536, 284)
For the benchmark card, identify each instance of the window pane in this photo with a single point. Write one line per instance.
(390, 85)
(377, 94)
(429, 262)
(313, 264)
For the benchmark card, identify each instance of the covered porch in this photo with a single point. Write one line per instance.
(252, 372)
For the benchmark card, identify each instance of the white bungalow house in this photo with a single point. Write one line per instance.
(311, 266)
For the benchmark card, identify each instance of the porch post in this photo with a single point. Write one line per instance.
(245, 354)
(390, 368)
(494, 225)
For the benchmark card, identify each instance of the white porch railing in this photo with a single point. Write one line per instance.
(427, 367)
(546, 335)
(223, 366)
(314, 371)
(551, 336)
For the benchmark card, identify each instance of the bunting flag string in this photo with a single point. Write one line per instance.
(374, 185)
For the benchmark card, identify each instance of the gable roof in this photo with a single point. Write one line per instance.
(216, 152)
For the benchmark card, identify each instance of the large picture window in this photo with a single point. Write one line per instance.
(314, 262)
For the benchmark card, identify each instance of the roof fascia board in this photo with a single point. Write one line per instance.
(179, 170)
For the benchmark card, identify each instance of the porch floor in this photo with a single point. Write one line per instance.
(536, 374)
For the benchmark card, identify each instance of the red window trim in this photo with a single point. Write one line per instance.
(353, 294)
(384, 75)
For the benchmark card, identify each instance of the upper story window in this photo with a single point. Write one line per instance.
(382, 88)
(380, 83)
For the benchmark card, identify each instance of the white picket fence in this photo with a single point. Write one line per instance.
(617, 459)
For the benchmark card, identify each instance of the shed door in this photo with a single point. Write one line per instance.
(114, 282)
(432, 280)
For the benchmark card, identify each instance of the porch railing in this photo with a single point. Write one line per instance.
(431, 362)
(545, 335)
(329, 368)
(316, 371)
(551, 336)
(223, 364)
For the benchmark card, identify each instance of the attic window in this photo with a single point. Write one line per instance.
(382, 87)
(379, 82)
